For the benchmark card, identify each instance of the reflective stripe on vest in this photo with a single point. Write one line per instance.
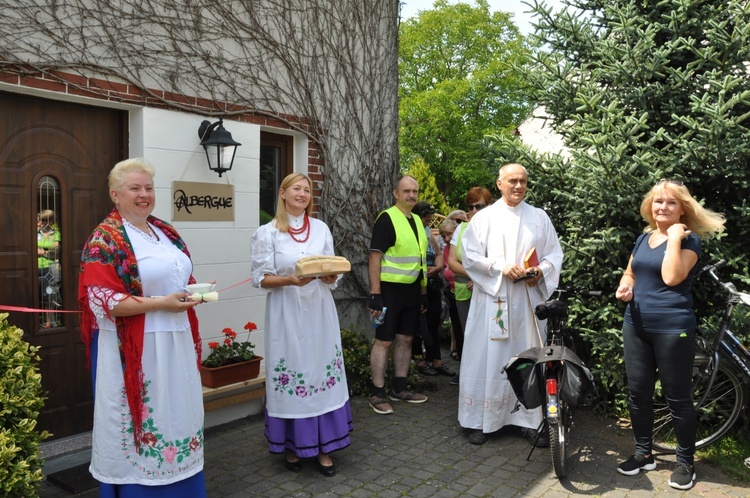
(403, 261)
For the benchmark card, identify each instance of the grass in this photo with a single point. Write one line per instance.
(729, 455)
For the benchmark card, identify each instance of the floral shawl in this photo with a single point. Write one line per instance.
(108, 262)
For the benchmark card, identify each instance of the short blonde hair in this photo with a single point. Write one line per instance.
(123, 168)
(47, 215)
(282, 217)
(699, 220)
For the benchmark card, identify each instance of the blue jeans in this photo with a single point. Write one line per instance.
(672, 355)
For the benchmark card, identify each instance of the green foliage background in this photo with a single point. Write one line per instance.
(428, 190)
(20, 401)
(356, 347)
(457, 83)
(640, 92)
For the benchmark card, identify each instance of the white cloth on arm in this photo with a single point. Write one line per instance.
(496, 236)
(171, 379)
(302, 333)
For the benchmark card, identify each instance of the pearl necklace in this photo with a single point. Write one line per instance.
(151, 235)
(297, 231)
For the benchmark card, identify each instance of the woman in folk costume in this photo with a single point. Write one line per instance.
(141, 333)
(307, 398)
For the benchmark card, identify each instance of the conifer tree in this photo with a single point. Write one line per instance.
(428, 190)
(640, 91)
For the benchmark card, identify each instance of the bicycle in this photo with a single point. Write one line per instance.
(719, 371)
(560, 383)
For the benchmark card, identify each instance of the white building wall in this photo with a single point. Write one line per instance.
(220, 250)
(537, 133)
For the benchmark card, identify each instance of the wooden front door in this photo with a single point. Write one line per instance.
(54, 161)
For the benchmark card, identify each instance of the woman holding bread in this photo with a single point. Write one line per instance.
(307, 398)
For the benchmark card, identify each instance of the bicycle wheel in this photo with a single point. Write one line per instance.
(715, 417)
(558, 439)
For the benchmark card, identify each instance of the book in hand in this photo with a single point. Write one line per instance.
(531, 259)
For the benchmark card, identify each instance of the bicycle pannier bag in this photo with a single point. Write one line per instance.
(525, 377)
(577, 381)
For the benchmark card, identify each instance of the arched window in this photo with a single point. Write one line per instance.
(49, 242)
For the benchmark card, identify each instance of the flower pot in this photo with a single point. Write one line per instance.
(230, 374)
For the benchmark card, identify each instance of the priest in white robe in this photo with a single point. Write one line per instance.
(501, 320)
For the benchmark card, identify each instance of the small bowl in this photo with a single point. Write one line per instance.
(199, 288)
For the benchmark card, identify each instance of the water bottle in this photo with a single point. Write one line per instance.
(379, 320)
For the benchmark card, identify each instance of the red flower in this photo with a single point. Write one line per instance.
(229, 333)
(149, 439)
(213, 345)
(228, 341)
(194, 444)
(250, 326)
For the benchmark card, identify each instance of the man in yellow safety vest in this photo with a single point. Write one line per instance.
(398, 288)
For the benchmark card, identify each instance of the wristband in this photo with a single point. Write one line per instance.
(376, 302)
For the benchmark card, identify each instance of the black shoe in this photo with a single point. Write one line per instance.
(327, 470)
(426, 369)
(683, 476)
(635, 464)
(477, 437)
(444, 370)
(293, 466)
(454, 380)
(535, 439)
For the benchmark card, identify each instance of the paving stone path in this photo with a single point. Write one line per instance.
(421, 451)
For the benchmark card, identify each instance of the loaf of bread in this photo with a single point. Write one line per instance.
(318, 266)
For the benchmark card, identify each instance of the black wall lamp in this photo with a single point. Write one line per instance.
(219, 146)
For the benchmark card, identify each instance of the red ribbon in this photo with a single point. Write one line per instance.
(23, 309)
(235, 285)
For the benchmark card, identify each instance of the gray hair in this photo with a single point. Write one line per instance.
(504, 168)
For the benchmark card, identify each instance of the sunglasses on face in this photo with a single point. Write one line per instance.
(679, 183)
(478, 206)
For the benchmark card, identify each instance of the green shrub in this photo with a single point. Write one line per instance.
(20, 401)
(356, 348)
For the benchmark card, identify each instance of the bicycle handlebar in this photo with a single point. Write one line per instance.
(581, 292)
(728, 286)
(712, 268)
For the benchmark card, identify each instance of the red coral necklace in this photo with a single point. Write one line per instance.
(297, 231)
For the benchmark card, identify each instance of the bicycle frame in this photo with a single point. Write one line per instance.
(556, 411)
(720, 377)
(726, 342)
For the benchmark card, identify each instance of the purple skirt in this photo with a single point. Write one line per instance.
(307, 437)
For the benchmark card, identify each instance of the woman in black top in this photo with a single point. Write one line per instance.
(659, 324)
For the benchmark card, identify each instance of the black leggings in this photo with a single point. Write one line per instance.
(672, 355)
(434, 310)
